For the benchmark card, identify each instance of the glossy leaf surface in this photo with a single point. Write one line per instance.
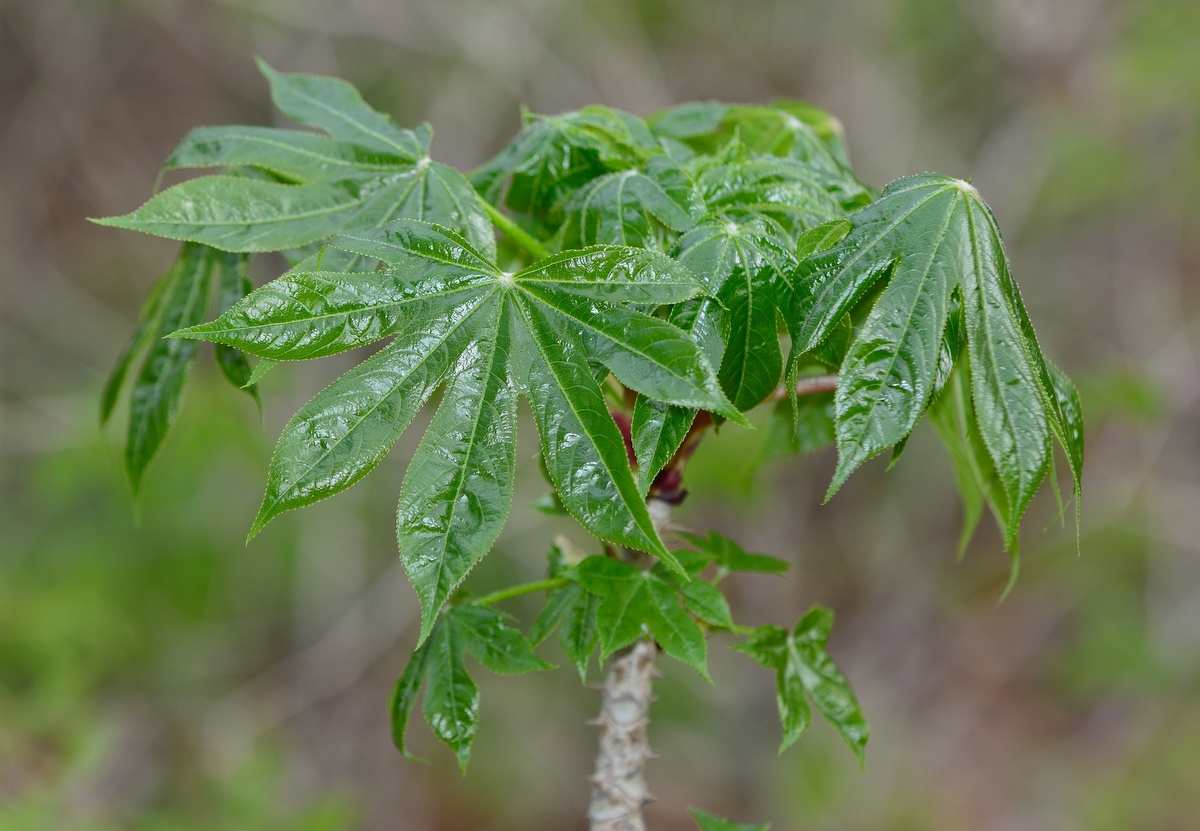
(638, 602)
(489, 335)
(158, 387)
(451, 705)
(930, 238)
(804, 673)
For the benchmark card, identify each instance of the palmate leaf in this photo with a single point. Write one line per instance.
(637, 602)
(451, 706)
(803, 671)
(745, 260)
(489, 335)
(364, 173)
(788, 129)
(553, 156)
(930, 237)
(627, 208)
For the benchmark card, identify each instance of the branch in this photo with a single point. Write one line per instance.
(619, 790)
(812, 385)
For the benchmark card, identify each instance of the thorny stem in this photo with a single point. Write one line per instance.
(619, 791)
(517, 591)
(516, 233)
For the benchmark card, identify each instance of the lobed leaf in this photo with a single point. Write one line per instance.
(805, 671)
(346, 429)
(637, 602)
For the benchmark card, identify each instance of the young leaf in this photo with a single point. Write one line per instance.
(573, 610)
(146, 331)
(803, 669)
(730, 556)
(451, 705)
(744, 261)
(554, 155)
(626, 208)
(157, 390)
(637, 602)
(708, 822)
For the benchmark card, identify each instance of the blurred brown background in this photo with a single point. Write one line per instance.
(165, 676)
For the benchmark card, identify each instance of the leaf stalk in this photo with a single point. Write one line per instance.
(516, 233)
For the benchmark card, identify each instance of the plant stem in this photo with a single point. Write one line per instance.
(619, 790)
(517, 591)
(516, 233)
(811, 385)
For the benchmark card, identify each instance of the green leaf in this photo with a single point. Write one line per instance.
(1012, 405)
(451, 705)
(708, 822)
(317, 314)
(792, 193)
(458, 489)
(803, 669)
(730, 556)
(953, 418)
(332, 105)
(554, 155)
(345, 431)
(458, 319)
(232, 285)
(582, 448)
(158, 388)
(235, 213)
(630, 207)
(573, 610)
(404, 696)
(745, 262)
(146, 330)
(302, 157)
(636, 603)
(931, 238)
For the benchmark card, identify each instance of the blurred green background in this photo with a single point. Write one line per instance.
(156, 673)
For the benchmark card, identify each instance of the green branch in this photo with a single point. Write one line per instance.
(515, 232)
